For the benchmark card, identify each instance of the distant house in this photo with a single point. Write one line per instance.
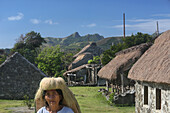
(81, 60)
(115, 72)
(85, 54)
(152, 75)
(84, 74)
(18, 77)
(80, 70)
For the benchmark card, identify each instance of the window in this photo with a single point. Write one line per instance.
(146, 95)
(158, 99)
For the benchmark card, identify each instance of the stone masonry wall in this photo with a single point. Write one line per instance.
(151, 107)
(18, 77)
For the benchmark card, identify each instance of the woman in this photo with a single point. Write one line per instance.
(56, 97)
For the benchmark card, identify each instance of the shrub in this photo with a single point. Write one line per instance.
(27, 101)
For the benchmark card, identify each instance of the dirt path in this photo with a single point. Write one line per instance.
(22, 110)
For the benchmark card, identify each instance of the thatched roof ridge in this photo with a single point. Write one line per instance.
(134, 48)
(122, 62)
(16, 54)
(76, 69)
(86, 49)
(80, 60)
(81, 56)
(154, 65)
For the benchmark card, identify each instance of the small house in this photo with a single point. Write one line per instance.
(115, 72)
(83, 75)
(18, 77)
(85, 54)
(152, 75)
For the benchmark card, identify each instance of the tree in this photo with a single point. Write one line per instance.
(95, 60)
(29, 45)
(67, 58)
(50, 61)
(2, 56)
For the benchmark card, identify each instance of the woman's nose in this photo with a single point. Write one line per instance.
(51, 96)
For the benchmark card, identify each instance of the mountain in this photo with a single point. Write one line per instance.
(106, 43)
(75, 42)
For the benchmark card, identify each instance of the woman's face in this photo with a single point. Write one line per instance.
(52, 97)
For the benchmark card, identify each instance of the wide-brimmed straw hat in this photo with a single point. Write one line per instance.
(49, 83)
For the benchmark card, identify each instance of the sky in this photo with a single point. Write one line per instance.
(61, 18)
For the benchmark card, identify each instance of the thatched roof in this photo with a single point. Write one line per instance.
(80, 60)
(16, 59)
(122, 62)
(92, 48)
(154, 65)
(76, 69)
(18, 77)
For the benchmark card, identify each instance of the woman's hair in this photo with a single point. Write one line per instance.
(59, 91)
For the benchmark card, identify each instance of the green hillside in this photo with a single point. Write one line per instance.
(75, 42)
(106, 43)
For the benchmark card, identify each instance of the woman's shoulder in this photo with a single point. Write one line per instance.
(42, 110)
(66, 110)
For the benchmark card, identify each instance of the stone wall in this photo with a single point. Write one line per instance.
(18, 77)
(151, 107)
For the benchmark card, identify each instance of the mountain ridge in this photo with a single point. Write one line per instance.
(76, 41)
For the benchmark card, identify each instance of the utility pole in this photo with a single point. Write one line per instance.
(124, 24)
(157, 28)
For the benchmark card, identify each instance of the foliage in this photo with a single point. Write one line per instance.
(67, 58)
(2, 58)
(111, 98)
(130, 41)
(27, 101)
(3, 55)
(51, 61)
(95, 60)
(28, 45)
(136, 39)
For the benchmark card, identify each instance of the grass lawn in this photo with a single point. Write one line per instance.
(89, 99)
(4, 104)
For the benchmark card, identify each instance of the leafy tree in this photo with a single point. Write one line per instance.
(2, 56)
(50, 61)
(67, 58)
(29, 45)
(95, 60)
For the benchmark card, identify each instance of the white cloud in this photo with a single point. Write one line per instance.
(161, 15)
(18, 17)
(89, 25)
(148, 25)
(50, 22)
(139, 20)
(35, 21)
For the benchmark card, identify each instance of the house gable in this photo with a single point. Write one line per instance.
(18, 77)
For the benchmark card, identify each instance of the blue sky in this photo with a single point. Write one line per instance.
(60, 18)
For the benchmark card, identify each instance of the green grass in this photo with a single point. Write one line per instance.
(89, 99)
(5, 104)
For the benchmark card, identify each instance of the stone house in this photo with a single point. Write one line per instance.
(152, 75)
(18, 77)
